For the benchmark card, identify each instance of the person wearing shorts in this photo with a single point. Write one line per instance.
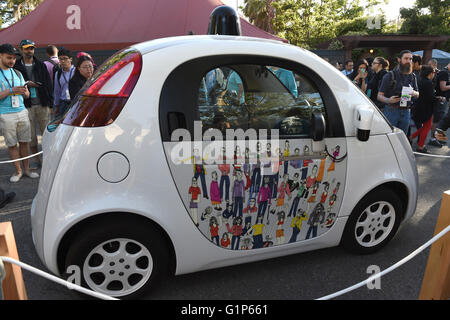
(14, 121)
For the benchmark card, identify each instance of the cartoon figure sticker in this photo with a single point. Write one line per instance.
(265, 199)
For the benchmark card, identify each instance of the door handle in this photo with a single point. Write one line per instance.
(315, 155)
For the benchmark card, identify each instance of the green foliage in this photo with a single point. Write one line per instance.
(260, 13)
(307, 23)
(12, 11)
(336, 44)
(427, 17)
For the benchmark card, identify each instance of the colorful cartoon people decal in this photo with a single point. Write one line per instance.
(239, 213)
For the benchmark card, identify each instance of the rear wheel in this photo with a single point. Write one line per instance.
(122, 259)
(373, 222)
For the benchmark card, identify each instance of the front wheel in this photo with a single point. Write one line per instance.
(373, 222)
(121, 259)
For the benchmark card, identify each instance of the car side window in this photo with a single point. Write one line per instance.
(221, 106)
(258, 97)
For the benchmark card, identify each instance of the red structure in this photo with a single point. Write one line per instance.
(115, 24)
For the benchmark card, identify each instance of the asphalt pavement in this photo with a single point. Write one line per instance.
(302, 276)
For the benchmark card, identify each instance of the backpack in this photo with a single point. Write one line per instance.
(56, 67)
(393, 81)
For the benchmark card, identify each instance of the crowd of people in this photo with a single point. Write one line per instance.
(32, 93)
(413, 94)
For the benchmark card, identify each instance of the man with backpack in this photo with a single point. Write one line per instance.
(52, 63)
(61, 87)
(398, 89)
(41, 91)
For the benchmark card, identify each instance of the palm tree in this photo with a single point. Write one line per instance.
(260, 13)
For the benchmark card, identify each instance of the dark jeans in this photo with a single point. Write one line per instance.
(286, 167)
(202, 178)
(275, 185)
(235, 242)
(216, 239)
(445, 122)
(225, 179)
(295, 232)
(294, 206)
(314, 232)
(258, 241)
(398, 117)
(262, 206)
(238, 202)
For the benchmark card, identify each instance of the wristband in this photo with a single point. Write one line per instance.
(387, 100)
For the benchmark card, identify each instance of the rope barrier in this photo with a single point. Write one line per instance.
(20, 159)
(106, 297)
(430, 155)
(50, 277)
(393, 267)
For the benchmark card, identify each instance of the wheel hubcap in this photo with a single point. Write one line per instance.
(375, 224)
(118, 267)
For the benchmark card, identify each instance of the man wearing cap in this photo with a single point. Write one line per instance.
(41, 91)
(14, 121)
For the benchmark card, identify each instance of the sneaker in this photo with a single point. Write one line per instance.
(8, 198)
(434, 143)
(16, 177)
(31, 174)
(423, 150)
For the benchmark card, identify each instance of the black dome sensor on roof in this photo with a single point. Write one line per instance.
(224, 20)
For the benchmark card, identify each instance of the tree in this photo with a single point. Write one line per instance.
(12, 11)
(427, 17)
(307, 23)
(260, 13)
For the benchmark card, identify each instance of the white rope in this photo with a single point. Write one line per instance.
(395, 266)
(57, 280)
(15, 160)
(430, 155)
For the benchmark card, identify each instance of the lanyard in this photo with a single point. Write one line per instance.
(12, 77)
(64, 76)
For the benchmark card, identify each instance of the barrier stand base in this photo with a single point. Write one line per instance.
(13, 285)
(436, 281)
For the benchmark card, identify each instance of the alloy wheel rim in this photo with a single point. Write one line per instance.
(118, 267)
(375, 224)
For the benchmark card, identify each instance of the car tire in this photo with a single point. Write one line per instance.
(373, 222)
(122, 259)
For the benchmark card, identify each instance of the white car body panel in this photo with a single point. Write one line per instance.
(72, 190)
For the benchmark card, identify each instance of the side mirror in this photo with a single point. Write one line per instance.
(318, 127)
(363, 122)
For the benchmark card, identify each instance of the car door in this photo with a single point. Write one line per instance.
(237, 136)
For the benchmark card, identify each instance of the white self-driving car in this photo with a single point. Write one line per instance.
(198, 152)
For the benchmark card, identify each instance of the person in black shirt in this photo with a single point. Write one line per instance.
(417, 63)
(380, 67)
(422, 113)
(443, 89)
(395, 83)
(41, 92)
(83, 72)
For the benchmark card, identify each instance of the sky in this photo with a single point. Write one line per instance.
(392, 9)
